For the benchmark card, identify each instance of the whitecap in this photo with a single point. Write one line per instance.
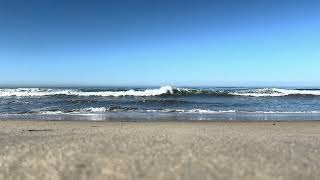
(37, 92)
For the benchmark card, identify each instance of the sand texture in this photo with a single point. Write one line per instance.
(159, 150)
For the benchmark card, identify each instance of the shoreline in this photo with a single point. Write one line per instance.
(158, 121)
(34, 149)
(153, 117)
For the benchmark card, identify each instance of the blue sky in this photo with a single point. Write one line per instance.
(167, 42)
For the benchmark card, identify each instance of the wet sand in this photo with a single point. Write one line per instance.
(159, 150)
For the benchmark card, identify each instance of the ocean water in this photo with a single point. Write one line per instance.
(162, 103)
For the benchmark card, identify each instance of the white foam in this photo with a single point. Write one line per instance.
(91, 109)
(193, 111)
(275, 92)
(288, 112)
(204, 111)
(36, 92)
(31, 92)
(147, 92)
(99, 110)
(297, 92)
(50, 112)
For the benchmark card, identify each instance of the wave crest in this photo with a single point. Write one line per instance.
(276, 92)
(163, 91)
(38, 92)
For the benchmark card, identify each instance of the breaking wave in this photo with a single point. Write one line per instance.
(276, 92)
(38, 92)
(163, 91)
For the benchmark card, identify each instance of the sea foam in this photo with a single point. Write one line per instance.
(166, 90)
(37, 92)
(275, 92)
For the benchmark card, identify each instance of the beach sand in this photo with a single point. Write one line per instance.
(159, 150)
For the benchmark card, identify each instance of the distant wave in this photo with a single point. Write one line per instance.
(276, 92)
(38, 92)
(264, 92)
(163, 91)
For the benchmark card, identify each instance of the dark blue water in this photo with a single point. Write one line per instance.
(166, 103)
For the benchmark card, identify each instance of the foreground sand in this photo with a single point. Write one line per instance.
(159, 150)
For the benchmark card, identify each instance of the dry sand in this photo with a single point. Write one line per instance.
(159, 150)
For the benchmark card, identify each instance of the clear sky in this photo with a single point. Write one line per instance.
(160, 42)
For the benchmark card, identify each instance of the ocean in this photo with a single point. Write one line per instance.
(160, 103)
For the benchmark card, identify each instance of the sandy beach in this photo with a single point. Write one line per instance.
(159, 150)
